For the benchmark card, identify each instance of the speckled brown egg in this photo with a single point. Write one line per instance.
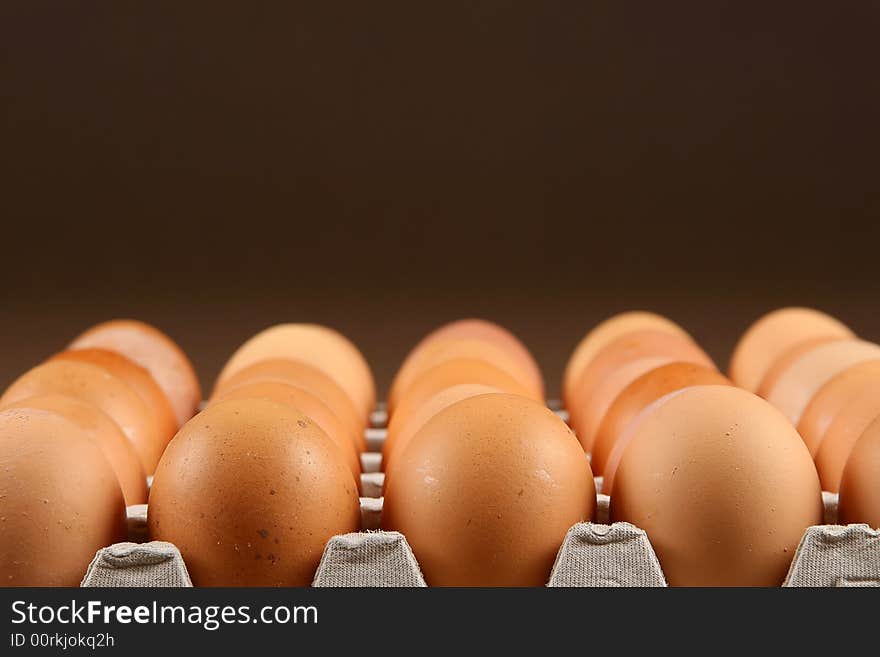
(723, 486)
(616, 366)
(833, 396)
(486, 491)
(307, 404)
(97, 386)
(302, 375)
(796, 386)
(250, 491)
(604, 334)
(159, 354)
(772, 335)
(104, 432)
(137, 378)
(405, 425)
(860, 485)
(60, 501)
(843, 433)
(639, 394)
(321, 347)
(445, 349)
(478, 329)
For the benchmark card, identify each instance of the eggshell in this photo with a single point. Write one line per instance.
(307, 404)
(455, 372)
(641, 393)
(772, 335)
(843, 432)
(404, 426)
(859, 499)
(105, 433)
(831, 398)
(480, 329)
(60, 501)
(604, 334)
(615, 367)
(302, 375)
(137, 378)
(486, 491)
(97, 386)
(796, 386)
(723, 486)
(152, 349)
(781, 364)
(250, 491)
(442, 350)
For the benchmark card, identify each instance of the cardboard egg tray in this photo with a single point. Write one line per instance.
(594, 554)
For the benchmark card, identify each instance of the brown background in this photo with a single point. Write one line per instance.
(384, 167)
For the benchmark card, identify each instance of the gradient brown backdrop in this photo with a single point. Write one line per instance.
(384, 167)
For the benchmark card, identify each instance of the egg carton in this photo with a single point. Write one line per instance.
(593, 554)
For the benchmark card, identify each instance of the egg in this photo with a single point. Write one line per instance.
(795, 387)
(152, 349)
(307, 404)
(723, 486)
(843, 432)
(302, 375)
(616, 366)
(453, 372)
(831, 397)
(97, 386)
(250, 491)
(405, 425)
(859, 500)
(60, 501)
(604, 334)
(442, 350)
(772, 335)
(480, 329)
(137, 378)
(105, 433)
(486, 491)
(639, 394)
(319, 346)
(781, 364)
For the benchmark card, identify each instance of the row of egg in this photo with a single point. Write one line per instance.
(79, 434)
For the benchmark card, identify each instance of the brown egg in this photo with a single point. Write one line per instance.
(722, 484)
(826, 404)
(786, 360)
(480, 329)
(97, 386)
(137, 378)
(486, 491)
(625, 438)
(772, 335)
(796, 386)
(250, 491)
(442, 350)
(60, 501)
(307, 404)
(455, 372)
(302, 375)
(860, 485)
(319, 346)
(641, 393)
(404, 426)
(600, 381)
(152, 349)
(604, 334)
(105, 433)
(843, 432)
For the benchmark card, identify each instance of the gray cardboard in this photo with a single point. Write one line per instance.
(155, 564)
(368, 559)
(834, 555)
